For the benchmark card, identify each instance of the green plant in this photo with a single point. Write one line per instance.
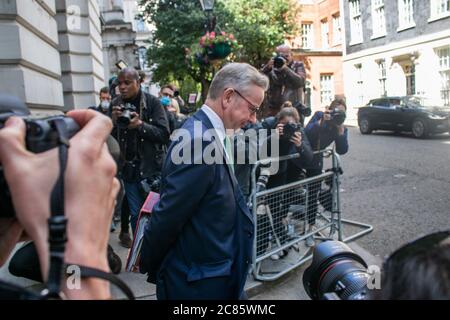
(211, 38)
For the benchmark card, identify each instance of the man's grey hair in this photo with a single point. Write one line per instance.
(283, 47)
(237, 76)
(131, 71)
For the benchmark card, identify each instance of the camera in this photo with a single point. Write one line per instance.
(302, 109)
(176, 93)
(290, 129)
(336, 273)
(337, 116)
(278, 62)
(124, 120)
(41, 135)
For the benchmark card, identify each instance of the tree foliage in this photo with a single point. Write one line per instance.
(258, 25)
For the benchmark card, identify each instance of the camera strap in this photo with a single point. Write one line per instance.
(57, 225)
(57, 222)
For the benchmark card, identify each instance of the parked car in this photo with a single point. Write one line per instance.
(411, 114)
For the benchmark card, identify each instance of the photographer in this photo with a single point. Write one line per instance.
(323, 129)
(89, 197)
(105, 101)
(142, 129)
(287, 81)
(292, 140)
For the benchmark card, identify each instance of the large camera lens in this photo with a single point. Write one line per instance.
(336, 269)
(124, 120)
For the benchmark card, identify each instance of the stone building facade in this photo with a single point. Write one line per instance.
(51, 53)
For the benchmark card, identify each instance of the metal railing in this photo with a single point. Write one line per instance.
(291, 216)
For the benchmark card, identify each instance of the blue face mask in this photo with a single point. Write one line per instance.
(165, 101)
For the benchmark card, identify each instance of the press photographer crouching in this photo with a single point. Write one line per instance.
(322, 130)
(419, 270)
(292, 140)
(46, 199)
(142, 130)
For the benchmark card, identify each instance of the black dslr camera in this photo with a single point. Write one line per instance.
(41, 135)
(337, 116)
(279, 61)
(290, 129)
(124, 120)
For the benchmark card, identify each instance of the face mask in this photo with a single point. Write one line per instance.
(104, 105)
(165, 101)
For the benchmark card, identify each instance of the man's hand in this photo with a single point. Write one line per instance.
(30, 178)
(297, 139)
(90, 192)
(116, 113)
(135, 121)
(268, 66)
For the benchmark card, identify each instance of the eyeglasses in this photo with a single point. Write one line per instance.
(418, 246)
(253, 109)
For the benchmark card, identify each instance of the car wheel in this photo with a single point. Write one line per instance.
(419, 129)
(365, 126)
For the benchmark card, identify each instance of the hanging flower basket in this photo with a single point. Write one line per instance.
(218, 51)
(218, 46)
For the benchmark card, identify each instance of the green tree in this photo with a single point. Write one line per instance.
(258, 25)
(261, 25)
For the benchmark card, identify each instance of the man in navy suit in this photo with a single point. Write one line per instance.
(199, 241)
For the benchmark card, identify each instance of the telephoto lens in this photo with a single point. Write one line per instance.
(336, 272)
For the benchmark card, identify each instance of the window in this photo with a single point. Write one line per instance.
(410, 73)
(405, 14)
(359, 84)
(140, 26)
(307, 35)
(440, 8)
(378, 18)
(382, 76)
(308, 93)
(337, 29)
(326, 88)
(444, 72)
(355, 22)
(142, 54)
(324, 32)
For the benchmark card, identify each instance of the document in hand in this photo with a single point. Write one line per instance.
(134, 254)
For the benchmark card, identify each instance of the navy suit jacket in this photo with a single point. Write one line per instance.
(198, 243)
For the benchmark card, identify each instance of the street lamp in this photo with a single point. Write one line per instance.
(208, 6)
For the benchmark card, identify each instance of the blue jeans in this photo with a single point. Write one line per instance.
(135, 202)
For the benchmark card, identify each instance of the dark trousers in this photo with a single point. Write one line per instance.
(125, 216)
(313, 196)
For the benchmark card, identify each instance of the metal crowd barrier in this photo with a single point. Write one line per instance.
(283, 214)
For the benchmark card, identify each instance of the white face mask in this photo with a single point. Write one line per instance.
(104, 105)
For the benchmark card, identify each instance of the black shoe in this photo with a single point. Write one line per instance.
(125, 240)
(114, 262)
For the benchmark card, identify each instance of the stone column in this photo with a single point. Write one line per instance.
(80, 46)
(29, 57)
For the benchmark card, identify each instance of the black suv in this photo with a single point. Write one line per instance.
(410, 113)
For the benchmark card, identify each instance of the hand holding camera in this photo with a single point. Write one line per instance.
(290, 131)
(126, 117)
(335, 116)
(89, 197)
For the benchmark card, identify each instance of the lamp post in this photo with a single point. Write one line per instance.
(207, 7)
